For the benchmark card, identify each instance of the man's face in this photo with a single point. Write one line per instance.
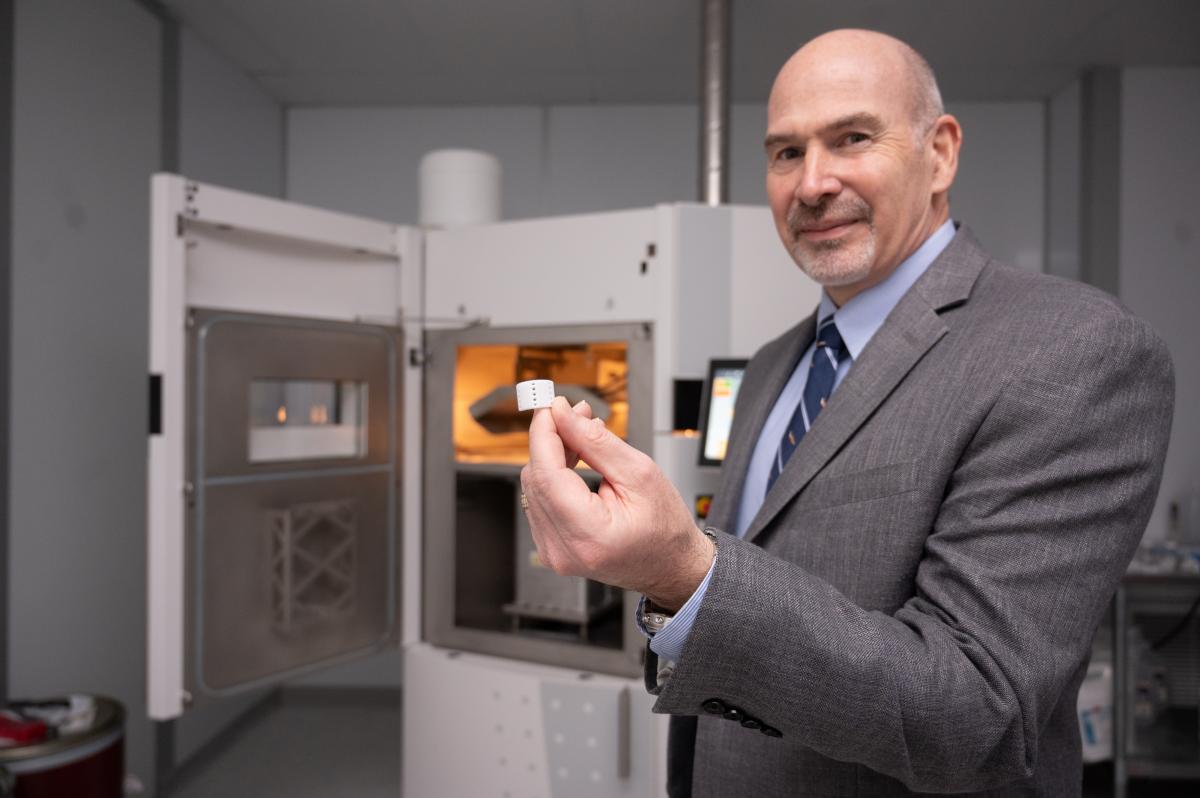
(848, 174)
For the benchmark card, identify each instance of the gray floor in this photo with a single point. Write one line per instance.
(317, 743)
(307, 744)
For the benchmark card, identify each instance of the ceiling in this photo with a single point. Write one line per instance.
(499, 52)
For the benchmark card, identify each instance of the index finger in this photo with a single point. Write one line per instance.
(614, 459)
(584, 409)
(545, 447)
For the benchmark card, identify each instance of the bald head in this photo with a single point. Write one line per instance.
(885, 57)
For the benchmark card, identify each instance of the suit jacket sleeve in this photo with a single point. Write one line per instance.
(1036, 526)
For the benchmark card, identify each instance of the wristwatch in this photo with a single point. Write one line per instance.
(654, 617)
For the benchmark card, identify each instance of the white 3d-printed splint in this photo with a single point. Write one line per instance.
(533, 394)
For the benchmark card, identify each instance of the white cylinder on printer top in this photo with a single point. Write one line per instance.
(459, 188)
(532, 394)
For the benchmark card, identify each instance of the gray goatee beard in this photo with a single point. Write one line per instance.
(835, 262)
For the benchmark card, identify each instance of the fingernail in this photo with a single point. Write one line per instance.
(582, 403)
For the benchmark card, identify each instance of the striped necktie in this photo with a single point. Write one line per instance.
(830, 351)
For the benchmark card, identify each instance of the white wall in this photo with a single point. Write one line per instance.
(578, 159)
(230, 130)
(365, 160)
(1001, 191)
(601, 158)
(85, 141)
(1064, 181)
(1160, 247)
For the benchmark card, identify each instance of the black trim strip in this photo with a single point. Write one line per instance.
(156, 404)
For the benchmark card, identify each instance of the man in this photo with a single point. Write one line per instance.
(933, 486)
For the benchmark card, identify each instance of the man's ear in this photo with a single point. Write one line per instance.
(947, 140)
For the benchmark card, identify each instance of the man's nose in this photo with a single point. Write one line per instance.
(817, 180)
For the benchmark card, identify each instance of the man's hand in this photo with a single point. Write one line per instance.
(635, 532)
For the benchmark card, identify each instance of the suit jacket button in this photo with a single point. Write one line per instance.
(752, 723)
(733, 713)
(714, 706)
(771, 731)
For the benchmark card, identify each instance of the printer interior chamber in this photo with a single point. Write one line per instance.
(488, 590)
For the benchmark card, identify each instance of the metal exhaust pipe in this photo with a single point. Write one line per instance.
(714, 102)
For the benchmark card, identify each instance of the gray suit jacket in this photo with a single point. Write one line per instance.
(912, 608)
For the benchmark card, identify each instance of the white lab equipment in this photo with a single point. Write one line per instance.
(459, 188)
(1096, 712)
(334, 431)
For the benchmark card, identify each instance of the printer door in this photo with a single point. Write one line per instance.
(276, 446)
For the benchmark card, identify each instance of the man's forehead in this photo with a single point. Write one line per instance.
(816, 95)
(843, 72)
(803, 116)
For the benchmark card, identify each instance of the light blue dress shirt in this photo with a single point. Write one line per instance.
(857, 321)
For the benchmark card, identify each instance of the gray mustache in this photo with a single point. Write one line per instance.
(803, 215)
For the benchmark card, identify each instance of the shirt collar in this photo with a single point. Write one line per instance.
(862, 316)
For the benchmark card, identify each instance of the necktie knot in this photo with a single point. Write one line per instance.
(829, 337)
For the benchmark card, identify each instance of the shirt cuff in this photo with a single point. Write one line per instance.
(668, 644)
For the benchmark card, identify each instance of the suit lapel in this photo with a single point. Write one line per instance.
(911, 329)
(755, 399)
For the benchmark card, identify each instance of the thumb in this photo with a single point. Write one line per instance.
(618, 462)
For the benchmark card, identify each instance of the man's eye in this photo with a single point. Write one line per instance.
(855, 138)
(787, 154)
